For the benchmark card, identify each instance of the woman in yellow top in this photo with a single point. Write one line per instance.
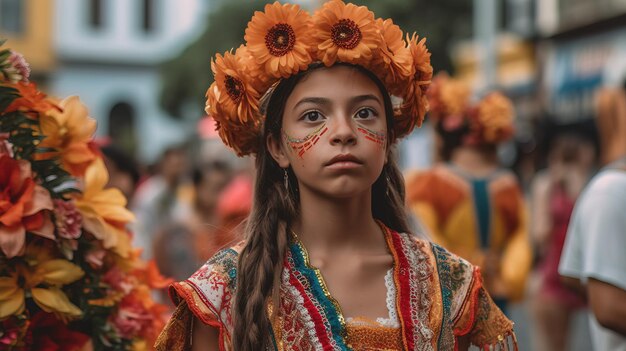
(468, 203)
(328, 262)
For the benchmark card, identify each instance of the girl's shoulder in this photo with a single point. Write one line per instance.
(209, 291)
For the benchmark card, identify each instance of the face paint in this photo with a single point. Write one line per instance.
(376, 137)
(300, 146)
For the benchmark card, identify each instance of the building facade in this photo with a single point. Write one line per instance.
(108, 52)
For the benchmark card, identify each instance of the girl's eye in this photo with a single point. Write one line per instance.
(366, 113)
(313, 116)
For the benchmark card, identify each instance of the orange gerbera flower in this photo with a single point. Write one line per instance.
(394, 63)
(448, 98)
(238, 99)
(69, 132)
(415, 102)
(495, 118)
(276, 38)
(30, 100)
(345, 32)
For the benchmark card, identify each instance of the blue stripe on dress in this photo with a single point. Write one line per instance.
(482, 207)
(318, 292)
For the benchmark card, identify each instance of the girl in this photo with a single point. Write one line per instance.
(482, 217)
(328, 263)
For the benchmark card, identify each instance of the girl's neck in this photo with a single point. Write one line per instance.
(338, 225)
(474, 161)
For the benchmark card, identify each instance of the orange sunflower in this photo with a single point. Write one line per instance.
(277, 38)
(415, 102)
(448, 97)
(495, 118)
(394, 62)
(344, 32)
(241, 137)
(238, 99)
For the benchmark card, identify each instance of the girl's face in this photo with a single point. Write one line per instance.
(334, 132)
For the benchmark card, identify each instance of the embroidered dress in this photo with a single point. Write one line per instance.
(473, 216)
(437, 297)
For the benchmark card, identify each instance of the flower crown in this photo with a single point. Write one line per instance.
(490, 121)
(284, 40)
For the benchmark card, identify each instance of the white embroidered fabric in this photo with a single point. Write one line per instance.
(391, 321)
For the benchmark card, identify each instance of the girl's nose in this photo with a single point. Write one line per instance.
(343, 132)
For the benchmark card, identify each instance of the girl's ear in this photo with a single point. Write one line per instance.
(275, 148)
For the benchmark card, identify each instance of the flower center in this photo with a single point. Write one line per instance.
(234, 88)
(280, 39)
(346, 34)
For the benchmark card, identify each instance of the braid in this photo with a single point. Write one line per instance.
(261, 261)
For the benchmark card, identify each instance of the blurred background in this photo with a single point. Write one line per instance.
(143, 66)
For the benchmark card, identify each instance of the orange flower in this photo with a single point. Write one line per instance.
(494, 118)
(104, 210)
(448, 98)
(276, 38)
(24, 206)
(415, 102)
(30, 100)
(394, 63)
(346, 33)
(239, 100)
(69, 132)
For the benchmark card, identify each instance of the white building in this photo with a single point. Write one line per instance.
(108, 53)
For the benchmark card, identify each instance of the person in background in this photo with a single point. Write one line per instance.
(158, 196)
(594, 255)
(571, 158)
(467, 202)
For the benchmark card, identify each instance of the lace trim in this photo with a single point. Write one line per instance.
(392, 320)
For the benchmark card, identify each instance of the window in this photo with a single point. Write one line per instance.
(148, 16)
(12, 16)
(95, 14)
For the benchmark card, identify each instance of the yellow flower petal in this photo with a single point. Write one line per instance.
(55, 300)
(96, 177)
(59, 272)
(13, 305)
(8, 287)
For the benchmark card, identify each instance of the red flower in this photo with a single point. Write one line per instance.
(51, 334)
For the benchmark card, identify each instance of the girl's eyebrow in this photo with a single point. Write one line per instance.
(326, 102)
(361, 98)
(314, 100)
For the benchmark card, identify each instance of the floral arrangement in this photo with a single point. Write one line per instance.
(490, 121)
(284, 40)
(69, 278)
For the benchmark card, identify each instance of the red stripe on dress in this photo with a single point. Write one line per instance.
(318, 321)
(401, 272)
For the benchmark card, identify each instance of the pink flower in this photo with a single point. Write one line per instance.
(118, 280)
(15, 68)
(95, 257)
(5, 145)
(67, 219)
(131, 318)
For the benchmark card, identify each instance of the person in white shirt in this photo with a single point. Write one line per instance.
(595, 248)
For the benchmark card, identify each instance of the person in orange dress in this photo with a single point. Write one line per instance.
(468, 203)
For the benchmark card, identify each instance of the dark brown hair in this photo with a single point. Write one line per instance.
(275, 208)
